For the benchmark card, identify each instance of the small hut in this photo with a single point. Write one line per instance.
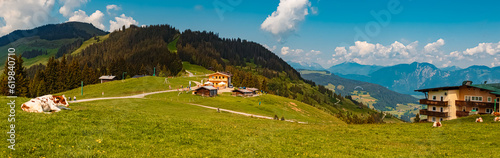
(107, 78)
(206, 91)
(242, 92)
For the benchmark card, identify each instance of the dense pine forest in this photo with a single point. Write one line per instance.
(140, 50)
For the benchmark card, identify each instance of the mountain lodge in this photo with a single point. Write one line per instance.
(447, 103)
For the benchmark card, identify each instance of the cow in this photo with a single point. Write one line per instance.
(496, 113)
(46, 103)
(437, 124)
(479, 119)
(496, 119)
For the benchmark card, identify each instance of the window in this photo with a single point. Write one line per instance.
(489, 111)
(433, 119)
(433, 97)
(433, 108)
(442, 98)
(475, 109)
(440, 119)
(441, 110)
(473, 98)
(489, 99)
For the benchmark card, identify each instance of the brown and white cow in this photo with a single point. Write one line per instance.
(437, 124)
(479, 119)
(496, 119)
(46, 103)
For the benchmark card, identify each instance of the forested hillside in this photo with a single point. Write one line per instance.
(145, 50)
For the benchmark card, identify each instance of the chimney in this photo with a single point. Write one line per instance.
(467, 83)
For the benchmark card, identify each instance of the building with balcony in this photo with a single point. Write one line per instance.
(447, 103)
(220, 79)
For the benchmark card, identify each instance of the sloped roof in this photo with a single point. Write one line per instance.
(253, 89)
(222, 73)
(107, 77)
(207, 87)
(494, 88)
(243, 90)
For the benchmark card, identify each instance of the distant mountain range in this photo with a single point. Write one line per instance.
(353, 68)
(386, 98)
(405, 78)
(305, 65)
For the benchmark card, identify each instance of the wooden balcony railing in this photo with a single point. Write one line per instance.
(462, 113)
(433, 113)
(433, 102)
(473, 104)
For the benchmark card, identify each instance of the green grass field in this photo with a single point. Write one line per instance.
(89, 42)
(172, 46)
(130, 86)
(195, 69)
(157, 127)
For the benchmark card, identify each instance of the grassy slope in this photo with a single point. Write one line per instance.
(172, 46)
(130, 87)
(270, 105)
(90, 42)
(27, 44)
(195, 69)
(158, 128)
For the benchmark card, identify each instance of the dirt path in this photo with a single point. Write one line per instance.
(190, 74)
(242, 113)
(124, 97)
(150, 93)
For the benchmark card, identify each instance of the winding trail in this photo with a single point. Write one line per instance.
(242, 113)
(175, 90)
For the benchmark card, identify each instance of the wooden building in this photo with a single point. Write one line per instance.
(447, 103)
(107, 78)
(206, 91)
(242, 92)
(220, 79)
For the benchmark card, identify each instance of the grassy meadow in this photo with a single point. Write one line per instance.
(156, 127)
(167, 125)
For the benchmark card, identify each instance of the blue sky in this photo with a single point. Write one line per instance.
(444, 33)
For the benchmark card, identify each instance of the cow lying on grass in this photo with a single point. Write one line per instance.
(46, 103)
(496, 119)
(436, 124)
(496, 113)
(479, 119)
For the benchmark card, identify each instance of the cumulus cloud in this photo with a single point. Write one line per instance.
(24, 14)
(368, 53)
(289, 14)
(112, 7)
(120, 21)
(434, 47)
(270, 48)
(288, 51)
(490, 48)
(95, 18)
(69, 5)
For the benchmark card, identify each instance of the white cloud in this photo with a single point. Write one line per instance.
(291, 52)
(69, 5)
(490, 48)
(24, 14)
(285, 19)
(285, 50)
(112, 7)
(340, 51)
(270, 48)
(434, 47)
(362, 48)
(96, 18)
(120, 21)
(313, 53)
